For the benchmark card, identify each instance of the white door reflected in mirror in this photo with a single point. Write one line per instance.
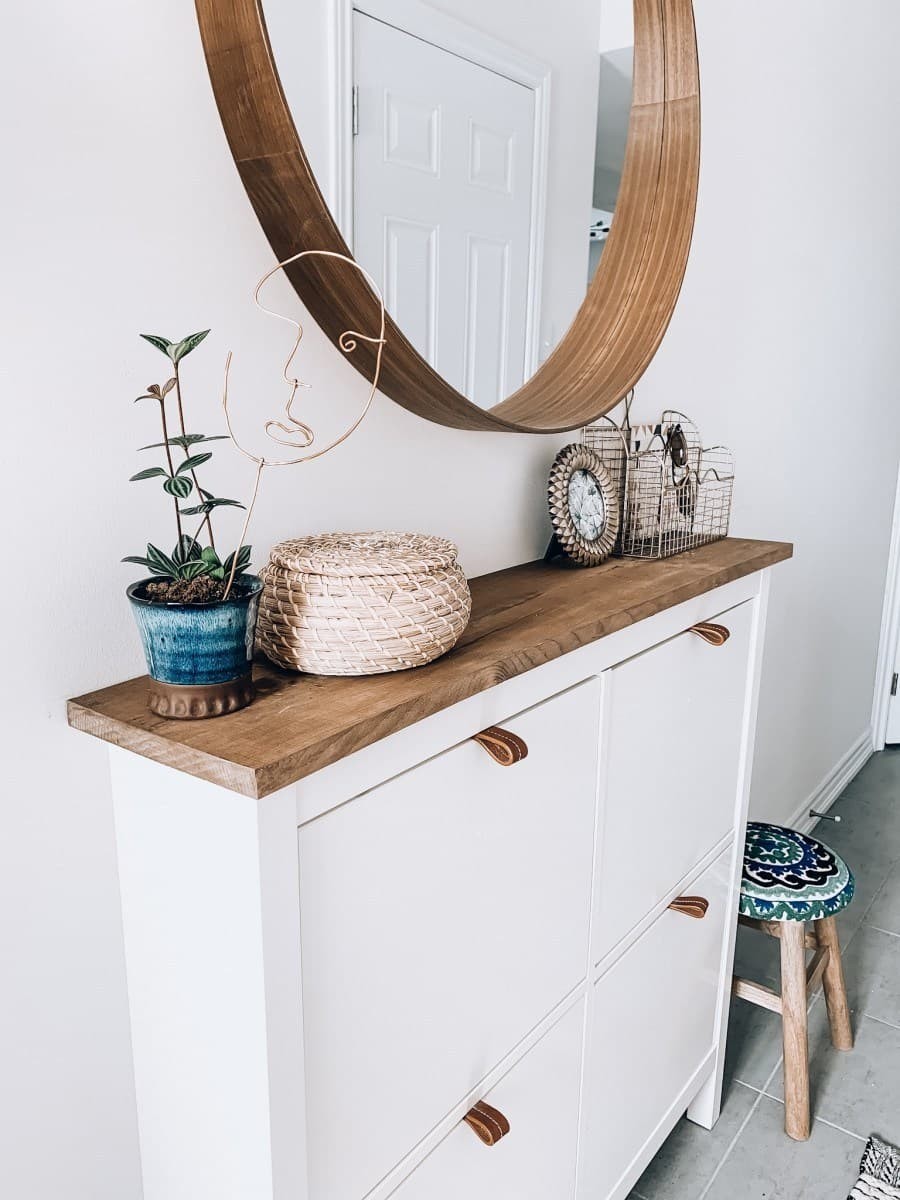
(443, 175)
(483, 153)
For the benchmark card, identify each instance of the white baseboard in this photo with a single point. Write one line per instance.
(823, 796)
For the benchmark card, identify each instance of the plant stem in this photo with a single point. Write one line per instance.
(199, 530)
(165, 429)
(207, 522)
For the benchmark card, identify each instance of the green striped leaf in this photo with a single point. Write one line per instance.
(186, 345)
(195, 460)
(160, 343)
(149, 473)
(179, 485)
(187, 549)
(185, 440)
(191, 570)
(243, 561)
(208, 505)
(160, 563)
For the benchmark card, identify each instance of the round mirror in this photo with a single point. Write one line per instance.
(519, 182)
(586, 505)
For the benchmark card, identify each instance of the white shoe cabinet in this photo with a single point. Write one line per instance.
(327, 975)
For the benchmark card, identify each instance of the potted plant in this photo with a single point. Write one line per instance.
(196, 611)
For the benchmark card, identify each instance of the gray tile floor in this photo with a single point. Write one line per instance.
(748, 1156)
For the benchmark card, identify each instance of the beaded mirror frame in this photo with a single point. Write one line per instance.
(587, 552)
(631, 299)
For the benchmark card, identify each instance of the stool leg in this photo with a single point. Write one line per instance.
(794, 1022)
(834, 985)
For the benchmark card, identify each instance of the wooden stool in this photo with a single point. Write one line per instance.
(791, 881)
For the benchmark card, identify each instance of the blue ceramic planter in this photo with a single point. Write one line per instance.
(201, 654)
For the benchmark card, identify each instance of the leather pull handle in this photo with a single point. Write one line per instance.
(504, 747)
(691, 906)
(715, 635)
(489, 1123)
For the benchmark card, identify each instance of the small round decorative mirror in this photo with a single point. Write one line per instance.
(519, 182)
(586, 504)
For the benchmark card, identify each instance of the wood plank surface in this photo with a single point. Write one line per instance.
(521, 618)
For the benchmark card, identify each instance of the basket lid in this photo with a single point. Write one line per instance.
(377, 553)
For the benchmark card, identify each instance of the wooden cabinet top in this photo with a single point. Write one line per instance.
(521, 617)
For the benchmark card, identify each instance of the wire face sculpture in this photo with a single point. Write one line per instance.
(289, 430)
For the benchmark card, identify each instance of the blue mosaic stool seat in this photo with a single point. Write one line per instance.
(792, 887)
(789, 876)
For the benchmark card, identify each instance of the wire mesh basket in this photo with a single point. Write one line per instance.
(674, 493)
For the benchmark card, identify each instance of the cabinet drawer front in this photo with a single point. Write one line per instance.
(536, 1159)
(674, 720)
(443, 915)
(653, 1025)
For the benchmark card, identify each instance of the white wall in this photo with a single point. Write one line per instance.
(784, 346)
(616, 25)
(123, 213)
(614, 99)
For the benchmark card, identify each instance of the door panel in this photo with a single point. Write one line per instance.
(536, 1159)
(410, 282)
(674, 727)
(446, 146)
(654, 1025)
(443, 916)
(487, 319)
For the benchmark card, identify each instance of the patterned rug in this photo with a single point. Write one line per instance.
(879, 1173)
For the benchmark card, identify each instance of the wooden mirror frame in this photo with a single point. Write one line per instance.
(630, 301)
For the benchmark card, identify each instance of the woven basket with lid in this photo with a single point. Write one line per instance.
(361, 603)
